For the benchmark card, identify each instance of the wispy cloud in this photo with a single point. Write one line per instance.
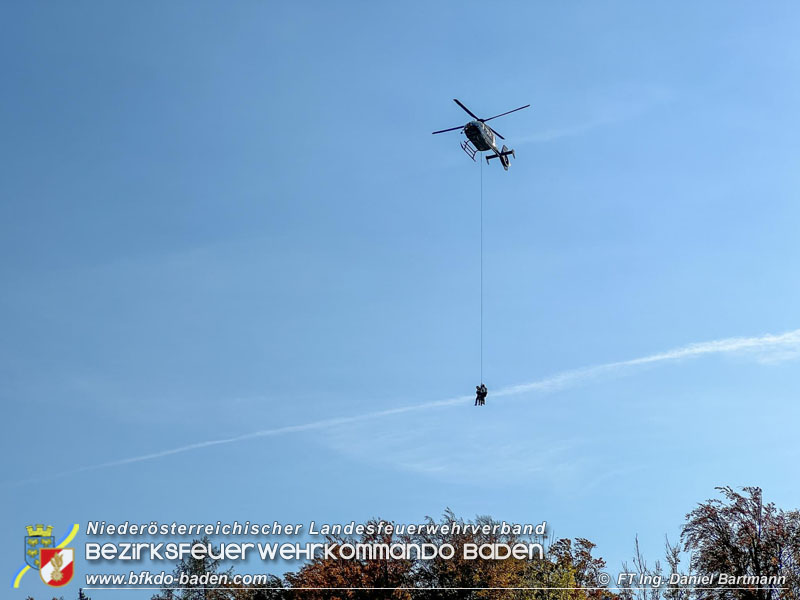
(552, 134)
(601, 108)
(765, 348)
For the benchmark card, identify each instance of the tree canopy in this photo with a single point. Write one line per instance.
(737, 534)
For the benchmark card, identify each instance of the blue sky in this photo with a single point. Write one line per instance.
(223, 219)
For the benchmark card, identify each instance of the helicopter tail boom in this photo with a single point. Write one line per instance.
(503, 156)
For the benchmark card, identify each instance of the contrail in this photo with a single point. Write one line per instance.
(764, 343)
(769, 342)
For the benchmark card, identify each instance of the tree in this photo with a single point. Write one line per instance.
(273, 589)
(362, 575)
(566, 565)
(644, 586)
(567, 570)
(458, 577)
(569, 573)
(739, 535)
(194, 568)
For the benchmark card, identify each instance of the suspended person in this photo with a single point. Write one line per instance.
(480, 395)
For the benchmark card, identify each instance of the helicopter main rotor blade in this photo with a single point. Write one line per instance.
(497, 134)
(469, 112)
(503, 114)
(451, 129)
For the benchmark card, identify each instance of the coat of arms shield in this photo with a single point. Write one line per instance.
(38, 537)
(58, 566)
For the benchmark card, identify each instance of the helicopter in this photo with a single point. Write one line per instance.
(483, 136)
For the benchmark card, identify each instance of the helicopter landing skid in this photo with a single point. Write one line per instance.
(469, 149)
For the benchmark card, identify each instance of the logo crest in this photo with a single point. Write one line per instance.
(58, 566)
(38, 537)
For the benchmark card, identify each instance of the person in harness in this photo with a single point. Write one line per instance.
(480, 395)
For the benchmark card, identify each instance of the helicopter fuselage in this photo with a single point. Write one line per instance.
(480, 135)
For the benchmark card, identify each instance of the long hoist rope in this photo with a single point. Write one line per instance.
(481, 168)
